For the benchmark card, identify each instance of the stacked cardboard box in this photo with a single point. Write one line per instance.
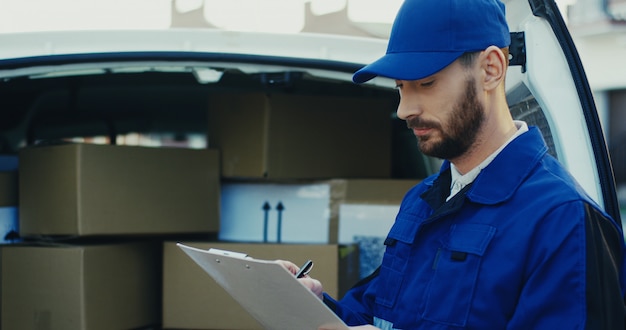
(307, 212)
(103, 286)
(108, 200)
(88, 189)
(113, 192)
(283, 136)
(291, 158)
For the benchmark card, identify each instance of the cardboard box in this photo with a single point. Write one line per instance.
(193, 300)
(283, 136)
(304, 212)
(88, 189)
(114, 286)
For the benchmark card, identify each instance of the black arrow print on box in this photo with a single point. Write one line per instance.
(266, 210)
(280, 209)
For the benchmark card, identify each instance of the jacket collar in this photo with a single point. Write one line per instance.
(501, 178)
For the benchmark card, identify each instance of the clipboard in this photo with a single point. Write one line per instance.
(270, 293)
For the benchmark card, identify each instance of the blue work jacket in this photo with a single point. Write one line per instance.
(522, 247)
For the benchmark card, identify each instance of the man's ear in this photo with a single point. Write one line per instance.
(494, 65)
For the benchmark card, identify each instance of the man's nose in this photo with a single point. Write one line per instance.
(407, 109)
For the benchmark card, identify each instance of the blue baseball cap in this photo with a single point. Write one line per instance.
(428, 35)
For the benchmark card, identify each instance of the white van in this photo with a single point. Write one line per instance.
(60, 84)
(277, 106)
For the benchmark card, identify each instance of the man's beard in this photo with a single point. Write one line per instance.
(459, 132)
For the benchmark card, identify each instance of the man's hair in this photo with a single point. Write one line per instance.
(467, 59)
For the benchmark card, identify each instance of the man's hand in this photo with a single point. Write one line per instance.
(314, 285)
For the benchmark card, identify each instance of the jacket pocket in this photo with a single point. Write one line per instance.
(451, 290)
(395, 259)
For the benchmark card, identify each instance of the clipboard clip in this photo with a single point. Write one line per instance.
(227, 253)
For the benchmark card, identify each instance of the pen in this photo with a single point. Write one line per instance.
(305, 269)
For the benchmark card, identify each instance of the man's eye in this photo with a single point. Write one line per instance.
(427, 83)
(398, 85)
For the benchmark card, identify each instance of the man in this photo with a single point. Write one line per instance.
(502, 237)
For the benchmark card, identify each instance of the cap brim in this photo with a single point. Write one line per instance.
(406, 66)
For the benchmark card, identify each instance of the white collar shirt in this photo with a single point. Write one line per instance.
(459, 181)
